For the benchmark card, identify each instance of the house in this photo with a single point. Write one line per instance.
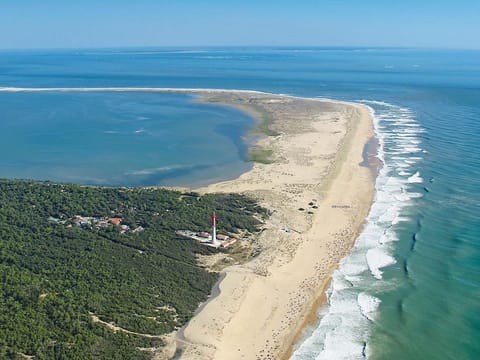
(116, 220)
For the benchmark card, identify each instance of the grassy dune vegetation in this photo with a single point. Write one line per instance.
(263, 156)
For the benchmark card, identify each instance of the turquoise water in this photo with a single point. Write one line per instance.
(410, 289)
(120, 138)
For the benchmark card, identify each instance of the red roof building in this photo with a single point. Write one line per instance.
(116, 220)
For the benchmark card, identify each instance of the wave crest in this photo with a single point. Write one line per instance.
(343, 330)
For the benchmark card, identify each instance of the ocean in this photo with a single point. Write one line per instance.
(409, 289)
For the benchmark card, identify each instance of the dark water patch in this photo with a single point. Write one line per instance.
(414, 241)
(400, 309)
(405, 268)
(369, 156)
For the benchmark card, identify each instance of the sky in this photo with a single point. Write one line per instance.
(138, 23)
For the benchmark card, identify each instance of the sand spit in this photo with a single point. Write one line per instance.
(319, 195)
(129, 89)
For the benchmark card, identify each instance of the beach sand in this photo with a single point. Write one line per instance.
(316, 150)
(319, 196)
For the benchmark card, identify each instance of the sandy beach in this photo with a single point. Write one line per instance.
(311, 178)
(319, 195)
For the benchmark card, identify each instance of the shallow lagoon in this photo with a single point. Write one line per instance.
(122, 139)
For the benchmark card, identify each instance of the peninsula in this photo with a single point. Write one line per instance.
(309, 175)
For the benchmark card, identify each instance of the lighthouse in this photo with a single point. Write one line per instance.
(214, 228)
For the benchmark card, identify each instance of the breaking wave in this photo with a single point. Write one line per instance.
(344, 327)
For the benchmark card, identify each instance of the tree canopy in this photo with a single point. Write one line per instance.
(55, 276)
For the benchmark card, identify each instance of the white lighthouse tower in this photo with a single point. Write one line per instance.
(214, 228)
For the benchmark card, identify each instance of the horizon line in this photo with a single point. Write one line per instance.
(332, 47)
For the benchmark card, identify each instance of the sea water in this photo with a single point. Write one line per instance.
(123, 139)
(410, 288)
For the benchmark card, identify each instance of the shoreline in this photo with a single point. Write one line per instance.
(319, 193)
(263, 306)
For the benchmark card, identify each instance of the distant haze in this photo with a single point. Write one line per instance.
(119, 23)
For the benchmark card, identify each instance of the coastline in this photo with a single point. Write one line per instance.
(313, 181)
(263, 305)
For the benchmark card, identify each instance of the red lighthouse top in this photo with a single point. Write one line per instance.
(214, 219)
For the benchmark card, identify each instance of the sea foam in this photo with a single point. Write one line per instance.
(345, 322)
(415, 178)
